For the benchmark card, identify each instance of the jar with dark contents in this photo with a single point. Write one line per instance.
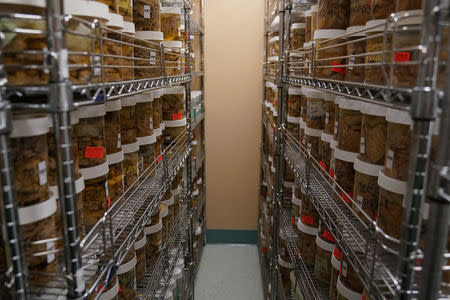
(139, 248)
(128, 120)
(125, 9)
(328, 64)
(333, 14)
(329, 113)
(349, 134)
(126, 274)
(315, 115)
(356, 47)
(307, 26)
(325, 150)
(112, 47)
(173, 104)
(312, 137)
(372, 146)
(348, 282)
(344, 173)
(148, 54)
(402, 5)
(381, 9)
(359, 12)
(336, 259)
(154, 242)
(171, 23)
(306, 242)
(322, 264)
(128, 51)
(113, 139)
(115, 176)
(298, 32)
(146, 15)
(375, 70)
(144, 114)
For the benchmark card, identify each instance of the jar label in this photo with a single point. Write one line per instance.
(323, 165)
(97, 65)
(147, 11)
(50, 247)
(328, 236)
(389, 159)
(351, 62)
(93, 152)
(327, 117)
(337, 253)
(309, 148)
(359, 201)
(42, 169)
(346, 198)
(153, 57)
(119, 140)
(177, 116)
(106, 189)
(150, 122)
(340, 70)
(362, 145)
(336, 127)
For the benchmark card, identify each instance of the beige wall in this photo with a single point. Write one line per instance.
(234, 31)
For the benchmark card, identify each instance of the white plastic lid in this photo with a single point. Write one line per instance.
(285, 264)
(140, 243)
(326, 137)
(270, 85)
(30, 125)
(316, 94)
(115, 21)
(128, 266)
(112, 293)
(302, 123)
(158, 131)
(366, 168)
(128, 28)
(321, 34)
(307, 45)
(177, 191)
(307, 229)
(346, 292)
(144, 97)
(114, 105)
(324, 245)
(177, 273)
(398, 116)
(150, 35)
(91, 111)
(195, 192)
(410, 17)
(87, 9)
(392, 185)
(350, 104)
(130, 148)
(172, 44)
(298, 26)
(329, 97)
(170, 10)
(128, 101)
(313, 132)
(345, 155)
(336, 263)
(115, 157)
(295, 91)
(39, 211)
(308, 13)
(94, 172)
(293, 120)
(353, 31)
(164, 212)
(175, 123)
(35, 3)
(79, 185)
(315, 8)
(169, 202)
(379, 23)
(147, 140)
(162, 125)
(273, 58)
(155, 228)
(373, 109)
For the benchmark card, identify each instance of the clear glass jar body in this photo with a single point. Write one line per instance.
(91, 134)
(146, 15)
(333, 14)
(170, 25)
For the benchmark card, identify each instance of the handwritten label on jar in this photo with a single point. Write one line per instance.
(147, 11)
(359, 201)
(351, 62)
(389, 159)
(93, 152)
(362, 145)
(153, 57)
(42, 169)
(119, 140)
(327, 117)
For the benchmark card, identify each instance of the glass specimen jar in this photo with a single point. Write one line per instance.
(144, 114)
(333, 14)
(354, 48)
(115, 176)
(297, 35)
(349, 135)
(148, 54)
(329, 113)
(359, 12)
(146, 15)
(381, 9)
(294, 103)
(126, 274)
(328, 65)
(173, 58)
(315, 115)
(112, 47)
(308, 26)
(128, 51)
(312, 137)
(171, 23)
(173, 103)
(306, 242)
(113, 140)
(125, 9)
(375, 71)
(131, 170)
(128, 120)
(373, 134)
(139, 248)
(322, 264)
(154, 242)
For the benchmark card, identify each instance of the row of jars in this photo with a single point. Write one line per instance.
(121, 51)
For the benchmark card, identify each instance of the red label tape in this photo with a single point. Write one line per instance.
(177, 116)
(402, 56)
(322, 164)
(93, 152)
(307, 219)
(159, 158)
(337, 253)
(345, 198)
(328, 236)
(340, 70)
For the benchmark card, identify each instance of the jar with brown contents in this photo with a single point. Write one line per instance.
(115, 176)
(173, 103)
(297, 35)
(128, 120)
(173, 133)
(348, 283)
(144, 114)
(147, 154)
(398, 141)
(312, 137)
(294, 102)
(350, 117)
(402, 5)
(330, 68)
(29, 152)
(285, 269)
(148, 54)
(130, 164)
(173, 57)
(322, 264)
(293, 127)
(139, 248)
(392, 194)
(146, 15)
(336, 259)
(373, 134)
(333, 14)
(168, 200)
(126, 274)
(112, 48)
(90, 132)
(381, 9)
(306, 242)
(125, 9)
(296, 207)
(328, 106)
(359, 12)
(111, 291)
(325, 150)
(96, 193)
(308, 213)
(308, 26)
(344, 172)
(113, 140)
(163, 214)
(375, 71)
(315, 115)
(314, 21)
(366, 188)
(128, 51)
(112, 4)
(356, 47)
(296, 63)
(171, 23)
(154, 242)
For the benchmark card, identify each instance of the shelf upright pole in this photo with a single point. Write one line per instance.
(438, 191)
(11, 232)
(60, 98)
(423, 113)
(187, 85)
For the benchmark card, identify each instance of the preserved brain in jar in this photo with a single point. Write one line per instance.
(355, 73)
(333, 14)
(325, 150)
(171, 23)
(308, 213)
(366, 188)
(306, 242)
(146, 15)
(374, 72)
(148, 64)
(344, 172)
(128, 120)
(115, 176)
(329, 69)
(349, 278)
(381, 9)
(349, 135)
(359, 12)
(173, 103)
(322, 264)
(373, 134)
(298, 32)
(113, 142)
(312, 140)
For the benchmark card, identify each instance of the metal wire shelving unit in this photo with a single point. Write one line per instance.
(407, 272)
(89, 262)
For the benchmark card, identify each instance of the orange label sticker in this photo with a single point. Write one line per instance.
(331, 172)
(177, 116)
(93, 152)
(337, 253)
(340, 70)
(307, 219)
(322, 164)
(345, 198)
(293, 220)
(328, 236)
(402, 56)
(264, 249)
(159, 158)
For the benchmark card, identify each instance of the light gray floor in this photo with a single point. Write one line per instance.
(229, 272)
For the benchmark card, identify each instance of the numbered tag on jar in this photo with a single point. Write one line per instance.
(344, 269)
(327, 117)
(351, 62)
(389, 159)
(179, 65)
(153, 57)
(362, 145)
(359, 201)
(119, 140)
(147, 11)
(42, 168)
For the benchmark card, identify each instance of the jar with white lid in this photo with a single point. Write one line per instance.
(125, 9)
(297, 35)
(294, 103)
(350, 117)
(398, 141)
(113, 140)
(128, 50)
(274, 46)
(154, 242)
(173, 103)
(344, 293)
(359, 12)
(146, 15)
(285, 269)
(328, 65)
(116, 177)
(391, 204)
(112, 47)
(126, 274)
(168, 200)
(173, 58)
(147, 154)
(329, 113)
(171, 23)
(112, 4)
(308, 26)
(306, 242)
(366, 188)
(111, 291)
(128, 120)
(149, 54)
(131, 170)
(312, 140)
(308, 213)
(336, 259)
(141, 257)
(315, 115)
(333, 14)
(144, 114)
(348, 279)
(376, 70)
(173, 132)
(355, 48)
(322, 264)
(325, 150)
(373, 134)
(343, 172)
